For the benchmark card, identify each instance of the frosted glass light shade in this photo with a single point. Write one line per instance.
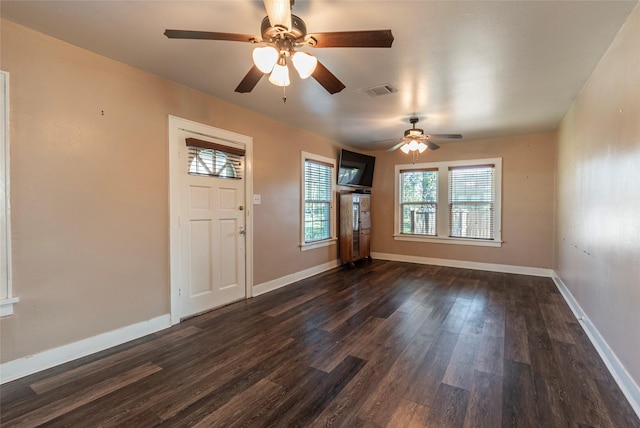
(304, 63)
(422, 147)
(405, 149)
(413, 145)
(265, 58)
(280, 75)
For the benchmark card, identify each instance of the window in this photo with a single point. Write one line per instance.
(418, 201)
(211, 162)
(318, 212)
(214, 160)
(471, 196)
(454, 202)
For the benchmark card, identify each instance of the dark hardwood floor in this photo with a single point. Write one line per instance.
(382, 344)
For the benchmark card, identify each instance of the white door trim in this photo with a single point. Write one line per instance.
(176, 125)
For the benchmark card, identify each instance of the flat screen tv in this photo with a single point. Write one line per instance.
(356, 169)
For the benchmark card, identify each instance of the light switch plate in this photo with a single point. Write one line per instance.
(256, 200)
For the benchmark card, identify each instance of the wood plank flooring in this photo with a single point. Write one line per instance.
(384, 344)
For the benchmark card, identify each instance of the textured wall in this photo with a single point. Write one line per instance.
(598, 199)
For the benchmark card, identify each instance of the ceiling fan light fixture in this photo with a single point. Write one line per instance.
(415, 141)
(280, 75)
(304, 64)
(285, 32)
(265, 58)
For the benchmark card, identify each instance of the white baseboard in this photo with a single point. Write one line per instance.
(629, 388)
(274, 284)
(491, 267)
(25, 366)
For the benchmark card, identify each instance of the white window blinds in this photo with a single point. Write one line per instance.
(318, 198)
(471, 201)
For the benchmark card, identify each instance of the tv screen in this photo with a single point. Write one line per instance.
(356, 169)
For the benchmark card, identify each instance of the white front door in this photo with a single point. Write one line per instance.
(211, 229)
(213, 249)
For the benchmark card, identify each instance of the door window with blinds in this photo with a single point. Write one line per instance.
(455, 202)
(214, 160)
(318, 212)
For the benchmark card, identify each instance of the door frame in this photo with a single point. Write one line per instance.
(176, 125)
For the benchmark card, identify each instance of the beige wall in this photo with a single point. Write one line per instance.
(528, 164)
(89, 192)
(598, 199)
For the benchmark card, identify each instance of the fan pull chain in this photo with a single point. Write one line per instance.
(284, 95)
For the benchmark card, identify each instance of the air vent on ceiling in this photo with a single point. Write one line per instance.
(376, 91)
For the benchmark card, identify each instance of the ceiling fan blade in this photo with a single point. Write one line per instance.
(326, 78)
(432, 145)
(279, 12)
(250, 80)
(208, 35)
(396, 147)
(354, 39)
(451, 136)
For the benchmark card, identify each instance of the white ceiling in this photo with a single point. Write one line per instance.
(479, 68)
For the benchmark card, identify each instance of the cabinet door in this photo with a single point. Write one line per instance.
(365, 243)
(346, 228)
(365, 201)
(365, 220)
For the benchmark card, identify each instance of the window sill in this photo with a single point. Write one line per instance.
(6, 306)
(447, 240)
(318, 244)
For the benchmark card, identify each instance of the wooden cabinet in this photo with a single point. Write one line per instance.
(355, 227)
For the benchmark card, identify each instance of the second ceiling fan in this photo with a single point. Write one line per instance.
(415, 140)
(282, 36)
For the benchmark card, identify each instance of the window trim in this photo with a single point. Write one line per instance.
(304, 246)
(442, 221)
(7, 300)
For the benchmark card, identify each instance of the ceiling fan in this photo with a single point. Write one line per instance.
(416, 140)
(282, 35)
